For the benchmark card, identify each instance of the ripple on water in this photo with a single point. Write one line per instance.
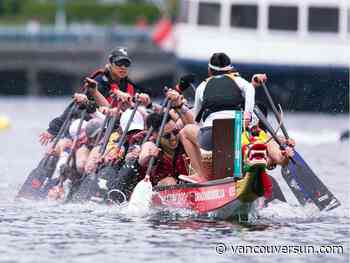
(46, 232)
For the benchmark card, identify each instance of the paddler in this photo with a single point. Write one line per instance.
(216, 98)
(170, 154)
(113, 78)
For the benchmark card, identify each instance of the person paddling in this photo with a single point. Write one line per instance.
(112, 79)
(216, 98)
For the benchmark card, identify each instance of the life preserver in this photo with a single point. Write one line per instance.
(221, 93)
(106, 85)
(114, 87)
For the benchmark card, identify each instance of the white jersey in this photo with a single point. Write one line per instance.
(248, 92)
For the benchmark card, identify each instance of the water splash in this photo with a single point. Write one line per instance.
(141, 199)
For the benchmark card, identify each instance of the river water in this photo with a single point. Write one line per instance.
(46, 232)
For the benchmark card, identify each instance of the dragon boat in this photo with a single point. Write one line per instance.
(222, 199)
(231, 192)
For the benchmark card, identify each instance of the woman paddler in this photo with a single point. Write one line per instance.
(102, 83)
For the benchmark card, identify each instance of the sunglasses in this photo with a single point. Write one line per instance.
(172, 133)
(121, 63)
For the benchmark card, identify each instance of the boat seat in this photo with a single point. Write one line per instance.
(223, 152)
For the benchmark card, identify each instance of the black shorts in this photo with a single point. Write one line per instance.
(205, 138)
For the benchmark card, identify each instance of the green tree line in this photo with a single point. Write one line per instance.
(20, 11)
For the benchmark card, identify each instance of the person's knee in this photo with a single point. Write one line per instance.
(81, 163)
(189, 132)
(82, 155)
(92, 161)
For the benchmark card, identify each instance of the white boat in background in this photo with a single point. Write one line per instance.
(303, 45)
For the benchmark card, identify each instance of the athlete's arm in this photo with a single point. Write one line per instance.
(95, 93)
(198, 99)
(248, 93)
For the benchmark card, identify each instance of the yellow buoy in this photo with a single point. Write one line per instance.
(4, 123)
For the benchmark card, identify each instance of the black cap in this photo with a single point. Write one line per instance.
(119, 54)
(220, 62)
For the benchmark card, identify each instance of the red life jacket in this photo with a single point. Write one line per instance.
(114, 87)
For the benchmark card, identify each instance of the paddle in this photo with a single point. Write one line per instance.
(121, 186)
(320, 194)
(122, 140)
(141, 197)
(274, 109)
(84, 191)
(304, 184)
(90, 185)
(31, 188)
(66, 170)
(107, 118)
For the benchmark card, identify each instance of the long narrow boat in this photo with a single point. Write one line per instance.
(230, 193)
(223, 199)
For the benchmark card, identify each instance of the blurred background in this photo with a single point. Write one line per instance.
(48, 46)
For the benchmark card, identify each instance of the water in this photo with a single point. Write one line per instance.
(47, 232)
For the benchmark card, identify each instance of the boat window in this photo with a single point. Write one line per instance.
(283, 18)
(209, 14)
(244, 16)
(323, 19)
(184, 11)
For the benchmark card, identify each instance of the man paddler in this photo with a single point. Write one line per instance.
(217, 97)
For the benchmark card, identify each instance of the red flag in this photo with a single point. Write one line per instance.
(162, 34)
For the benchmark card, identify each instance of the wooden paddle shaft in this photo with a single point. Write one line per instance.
(65, 125)
(74, 145)
(262, 118)
(104, 124)
(127, 127)
(160, 134)
(269, 128)
(274, 109)
(108, 133)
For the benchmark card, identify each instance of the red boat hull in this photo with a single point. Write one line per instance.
(224, 198)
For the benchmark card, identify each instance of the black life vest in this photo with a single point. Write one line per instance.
(221, 93)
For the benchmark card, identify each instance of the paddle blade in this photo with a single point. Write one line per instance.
(124, 182)
(306, 186)
(277, 193)
(87, 189)
(33, 185)
(141, 198)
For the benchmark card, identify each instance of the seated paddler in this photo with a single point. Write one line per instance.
(217, 97)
